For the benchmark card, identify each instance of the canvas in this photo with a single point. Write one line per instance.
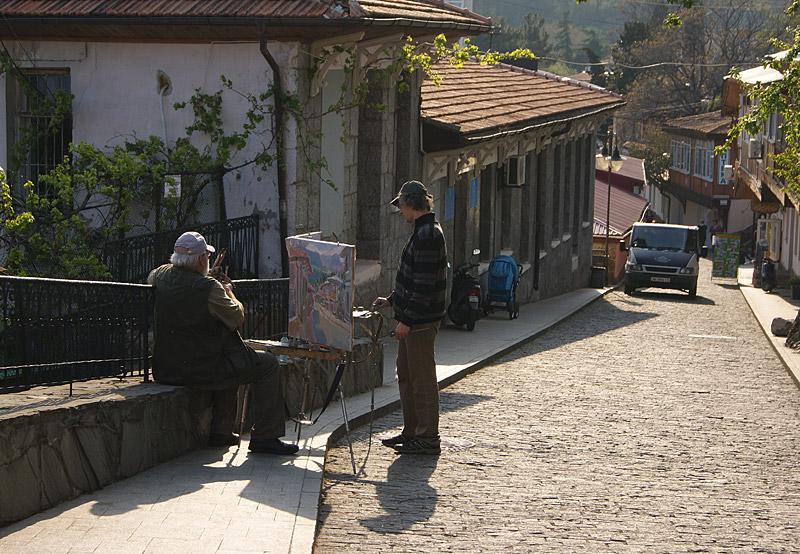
(321, 291)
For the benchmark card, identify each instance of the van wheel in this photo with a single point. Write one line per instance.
(693, 292)
(629, 290)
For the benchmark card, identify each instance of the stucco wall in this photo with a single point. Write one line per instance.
(116, 97)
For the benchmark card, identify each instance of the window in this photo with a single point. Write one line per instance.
(588, 176)
(772, 124)
(556, 189)
(681, 155)
(568, 185)
(703, 160)
(577, 188)
(722, 161)
(541, 179)
(36, 145)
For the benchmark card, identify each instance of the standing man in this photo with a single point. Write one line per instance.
(197, 344)
(418, 300)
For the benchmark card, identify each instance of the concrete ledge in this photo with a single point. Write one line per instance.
(56, 449)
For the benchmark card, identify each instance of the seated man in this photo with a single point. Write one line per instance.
(197, 344)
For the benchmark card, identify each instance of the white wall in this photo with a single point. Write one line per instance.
(331, 208)
(116, 97)
(740, 215)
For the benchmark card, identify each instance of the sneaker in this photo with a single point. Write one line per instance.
(219, 439)
(391, 442)
(272, 446)
(418, 446)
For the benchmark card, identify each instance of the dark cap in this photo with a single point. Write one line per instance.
(411, 188)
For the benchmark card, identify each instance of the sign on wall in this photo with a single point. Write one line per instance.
(726, 255)
(321, 291)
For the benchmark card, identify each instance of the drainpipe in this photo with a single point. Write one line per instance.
(280, 129)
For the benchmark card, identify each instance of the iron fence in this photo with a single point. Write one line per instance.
(266, 305)
(130, 260)
(55, 331)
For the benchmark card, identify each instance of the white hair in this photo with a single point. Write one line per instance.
(184, 260)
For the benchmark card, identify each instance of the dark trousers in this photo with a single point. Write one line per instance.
(262, 372)
(416, 379)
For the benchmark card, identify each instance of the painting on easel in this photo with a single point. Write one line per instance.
(321, 291)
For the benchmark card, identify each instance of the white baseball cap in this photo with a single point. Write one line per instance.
(192, 243)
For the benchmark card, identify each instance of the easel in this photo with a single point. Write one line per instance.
(317, 353)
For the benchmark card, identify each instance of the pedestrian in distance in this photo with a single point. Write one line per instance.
(418, 300)
(197, 344)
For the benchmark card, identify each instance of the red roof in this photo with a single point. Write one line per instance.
(626, 209)
(476, 98)
(430, 11)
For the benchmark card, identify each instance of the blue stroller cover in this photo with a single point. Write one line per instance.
(503, 272)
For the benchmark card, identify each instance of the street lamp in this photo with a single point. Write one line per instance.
(610, 164)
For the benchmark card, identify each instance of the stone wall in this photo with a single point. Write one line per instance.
(56, 447)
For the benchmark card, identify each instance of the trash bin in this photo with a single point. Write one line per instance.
(598, 278)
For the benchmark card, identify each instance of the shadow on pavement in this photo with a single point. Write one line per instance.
(406, 496)
(665, 296)
(605, 317)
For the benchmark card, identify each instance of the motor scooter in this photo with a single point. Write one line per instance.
(768, 276)
(465, 296)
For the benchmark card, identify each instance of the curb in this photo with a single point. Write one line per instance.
(394, 405)
(776, 347)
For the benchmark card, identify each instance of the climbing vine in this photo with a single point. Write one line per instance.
(60, 225)
(781, 97)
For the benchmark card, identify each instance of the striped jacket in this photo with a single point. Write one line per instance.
(421, 283)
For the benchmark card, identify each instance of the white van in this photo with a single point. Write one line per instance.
(664, 256)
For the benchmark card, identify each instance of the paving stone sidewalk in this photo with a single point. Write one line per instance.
(641, 424)
(213, 500)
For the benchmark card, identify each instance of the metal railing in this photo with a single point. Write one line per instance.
(55, 331)
(266, 306)
(130, 260)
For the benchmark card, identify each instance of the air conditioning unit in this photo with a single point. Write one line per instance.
(515, 171)
(727, 172)
(754, 148)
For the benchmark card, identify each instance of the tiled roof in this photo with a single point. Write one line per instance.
(633, 168)
(626, 209)
(711, 123)
(477, 98)
(430, 11)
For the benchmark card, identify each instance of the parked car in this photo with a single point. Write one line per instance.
(663, 256)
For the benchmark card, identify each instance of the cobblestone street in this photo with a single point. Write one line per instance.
(649, 423)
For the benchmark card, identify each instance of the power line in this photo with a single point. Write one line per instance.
(649, 66)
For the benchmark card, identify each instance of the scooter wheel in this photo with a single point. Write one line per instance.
(470, 324)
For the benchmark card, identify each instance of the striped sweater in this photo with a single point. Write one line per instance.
(421, 283)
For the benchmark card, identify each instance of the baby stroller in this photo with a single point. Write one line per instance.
(503, 280)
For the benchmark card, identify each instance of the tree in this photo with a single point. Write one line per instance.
(95, 196)
(564, 41)
(782, 97)
(534, 35)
